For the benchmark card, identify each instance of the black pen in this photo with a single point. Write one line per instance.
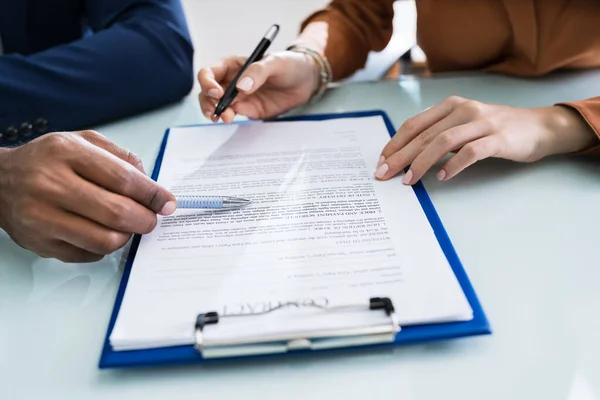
(256, 55)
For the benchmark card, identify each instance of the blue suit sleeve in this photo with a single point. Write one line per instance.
(138, 57)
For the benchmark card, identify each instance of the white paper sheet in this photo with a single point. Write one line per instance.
(320, 228)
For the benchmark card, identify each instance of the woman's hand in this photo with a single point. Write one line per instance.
(477, 131)
(269, 87)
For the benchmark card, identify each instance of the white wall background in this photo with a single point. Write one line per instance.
(220, 28)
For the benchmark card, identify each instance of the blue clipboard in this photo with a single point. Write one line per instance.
(178, 355)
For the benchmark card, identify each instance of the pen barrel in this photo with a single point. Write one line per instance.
(258, 53)
(200, 202)
(231, 92)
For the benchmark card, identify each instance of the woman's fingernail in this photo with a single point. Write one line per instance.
(407, 177)
(381, 170)
(168, 208)
(381, 161)
(208, 115)
(214, 93)
(441, 175)
(245, 84)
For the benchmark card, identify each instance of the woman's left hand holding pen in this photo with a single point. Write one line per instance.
(269, 87)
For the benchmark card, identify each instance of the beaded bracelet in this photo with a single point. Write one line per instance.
(324, 69)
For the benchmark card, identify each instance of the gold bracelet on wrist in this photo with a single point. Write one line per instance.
(325, 73)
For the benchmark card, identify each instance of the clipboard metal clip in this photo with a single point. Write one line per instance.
(326, 339)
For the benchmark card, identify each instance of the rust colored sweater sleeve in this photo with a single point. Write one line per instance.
(356, 27)
(590, 111)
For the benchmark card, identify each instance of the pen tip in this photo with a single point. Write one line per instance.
(218, 111)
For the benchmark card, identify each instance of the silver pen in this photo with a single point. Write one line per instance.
(212, 202)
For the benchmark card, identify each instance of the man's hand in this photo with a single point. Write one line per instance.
(76, 196)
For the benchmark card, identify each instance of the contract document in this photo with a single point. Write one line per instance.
(320, 230)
